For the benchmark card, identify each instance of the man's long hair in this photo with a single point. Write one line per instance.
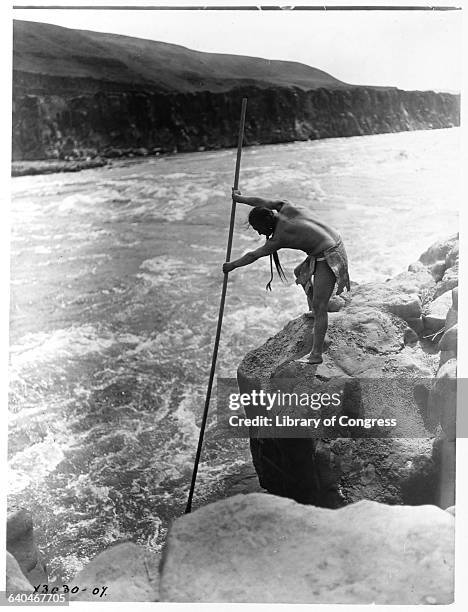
(264, 220)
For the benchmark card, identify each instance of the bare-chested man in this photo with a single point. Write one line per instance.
(289, 226)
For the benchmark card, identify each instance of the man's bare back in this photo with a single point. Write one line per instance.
(299, 228)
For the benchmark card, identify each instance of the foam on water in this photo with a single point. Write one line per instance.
(164, 267)
(33, 464)
(62, 344)
(258, 179)
(185, 415)
(251, 319)
(170, 270)
(116, 280)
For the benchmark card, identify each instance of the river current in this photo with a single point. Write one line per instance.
(115, 286)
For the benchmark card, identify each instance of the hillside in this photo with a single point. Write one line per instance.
(81, 95)
(44, 49)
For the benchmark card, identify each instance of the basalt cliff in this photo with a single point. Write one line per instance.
(84, 95)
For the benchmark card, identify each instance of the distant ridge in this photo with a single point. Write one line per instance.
(80, 97)
(55, 51)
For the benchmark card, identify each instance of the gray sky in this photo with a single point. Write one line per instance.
(407, 49)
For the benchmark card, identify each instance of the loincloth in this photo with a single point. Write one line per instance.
(337, 260)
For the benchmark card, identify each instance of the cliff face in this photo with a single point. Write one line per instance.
(113, 122)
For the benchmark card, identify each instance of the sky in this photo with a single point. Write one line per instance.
(406, 49)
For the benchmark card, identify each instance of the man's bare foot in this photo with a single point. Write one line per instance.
(312, 358)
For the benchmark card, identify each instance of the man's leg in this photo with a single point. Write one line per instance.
(310, 300)
(324, 282)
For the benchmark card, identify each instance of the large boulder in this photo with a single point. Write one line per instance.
(442, 402)
(399, 295)
(443, 397)
(434, 319)
(15, 579)
(452, 314)
(130, 573)
(405, 306)
(396, 471)
(366, 344)
(264, 549)
(448, 342)
(379, 333)
(449, 281)
(441, 261)
(452, 257)
(22, 545)
(439, 250)
(438, 270)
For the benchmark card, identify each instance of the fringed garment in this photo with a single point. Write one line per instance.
(335, 257)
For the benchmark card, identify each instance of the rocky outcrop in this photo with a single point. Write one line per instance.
(130, 573)
(442, 260)
(434, 320)
(51, 166)
(384, 333)
(21, 544)
(442, 403)
(260, 548)
(15, 579)
(51, 123)
(123, 572)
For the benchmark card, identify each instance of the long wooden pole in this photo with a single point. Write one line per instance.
(220, 313)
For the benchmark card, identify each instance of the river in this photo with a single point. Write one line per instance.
(115, 285)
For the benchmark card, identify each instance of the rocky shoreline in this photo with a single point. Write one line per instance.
(364, 502)
(262, 548)
(51, 166)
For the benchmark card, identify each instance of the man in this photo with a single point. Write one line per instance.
(289, 226)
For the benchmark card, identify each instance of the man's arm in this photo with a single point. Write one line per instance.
(255, 201)
(267, 249)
